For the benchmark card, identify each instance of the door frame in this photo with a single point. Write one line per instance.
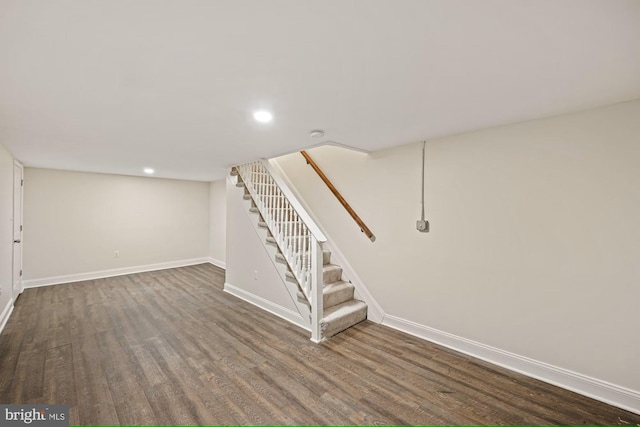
(17, 246)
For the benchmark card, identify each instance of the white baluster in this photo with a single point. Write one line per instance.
(316, 290)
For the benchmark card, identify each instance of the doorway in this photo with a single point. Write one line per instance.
(18, 186)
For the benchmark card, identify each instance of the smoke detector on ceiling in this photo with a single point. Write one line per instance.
(317, 133)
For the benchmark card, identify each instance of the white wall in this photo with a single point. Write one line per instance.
(74, 221)
(218, 222)
(6, 232)
(534, 246)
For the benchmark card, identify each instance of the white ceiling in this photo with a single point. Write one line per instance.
(114, 86)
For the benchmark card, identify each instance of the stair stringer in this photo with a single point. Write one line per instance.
(292, 288)
(375, 313)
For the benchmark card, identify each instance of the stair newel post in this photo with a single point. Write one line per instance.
(316, 290)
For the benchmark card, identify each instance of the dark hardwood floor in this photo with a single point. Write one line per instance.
(170, 347)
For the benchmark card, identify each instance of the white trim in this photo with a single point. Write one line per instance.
(592, 387)
(278, 310)
(322, 144)
(35, 283)
(339, 145)
(217, 262)
(375, 313)
(6, 313)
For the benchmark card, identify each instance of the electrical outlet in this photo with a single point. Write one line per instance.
(116, 254)
(422, 226)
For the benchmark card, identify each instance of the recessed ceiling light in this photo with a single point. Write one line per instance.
(263, 116)
(148, 171)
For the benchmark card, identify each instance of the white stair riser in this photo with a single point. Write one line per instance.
(331, 299)
(334, 326)
(338, 297)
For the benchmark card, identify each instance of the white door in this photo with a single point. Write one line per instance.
(17, 229)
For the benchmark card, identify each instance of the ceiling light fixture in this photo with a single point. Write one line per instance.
(148, 171)
(263, 116)
(317, 133)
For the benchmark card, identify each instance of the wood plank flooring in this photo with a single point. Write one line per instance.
(170, 347)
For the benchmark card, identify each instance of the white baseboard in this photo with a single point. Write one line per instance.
(597, 389)
(6, 313)
(35, 283)
(278, 310)
(217, 262)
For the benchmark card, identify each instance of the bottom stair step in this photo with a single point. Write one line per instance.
(342, 316)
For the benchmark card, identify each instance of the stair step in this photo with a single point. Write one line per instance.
(331, 273)
(253, 209)
(333, 294)
(336, 293)
(280, 258)
(240, 183)
(326, 255)
(234, 171)
(246, 196)
(262, 224)
(290, 277)
(342, 316)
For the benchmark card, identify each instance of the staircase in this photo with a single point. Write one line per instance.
(330, 300)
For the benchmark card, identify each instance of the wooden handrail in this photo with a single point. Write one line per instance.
(334, 190)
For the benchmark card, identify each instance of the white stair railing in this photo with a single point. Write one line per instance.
(296, 234)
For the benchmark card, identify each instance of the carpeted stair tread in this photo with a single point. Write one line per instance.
(333, 294)
(336, 293)
(326, 256)
(331, 273)
(342, 316)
